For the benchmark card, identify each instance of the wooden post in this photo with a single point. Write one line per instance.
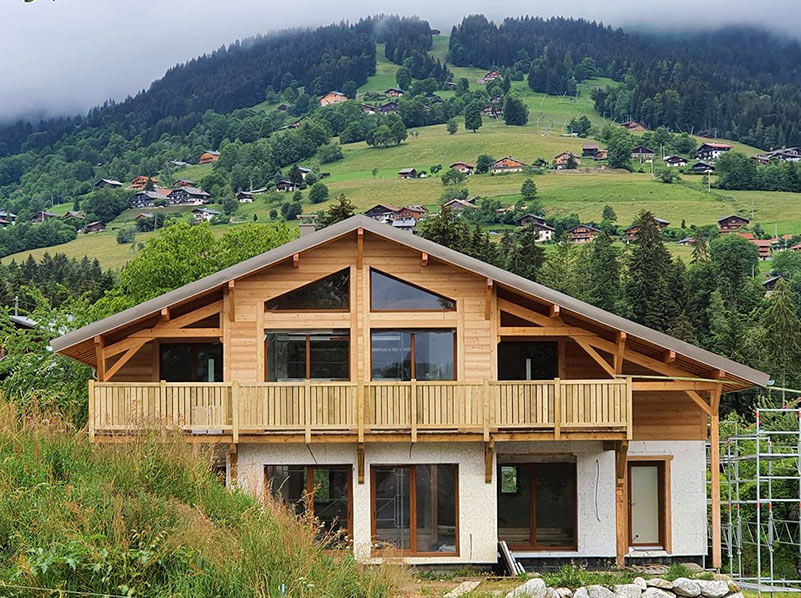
(359, 248)
(360, 411)
(91, 419)
(629, 409)
(413, 408)
(232, 301)
(307, 404)
(488, 462)
(621, 503)
(485, 404)
(714, 477)
(360, 462)
(233, 465)
(557, 409)
(100, 357)
(235, 410)
(488, 299)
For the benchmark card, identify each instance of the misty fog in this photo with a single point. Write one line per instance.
(65, 56)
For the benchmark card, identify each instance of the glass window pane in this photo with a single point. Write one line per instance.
(388, 293)
(208, 363)
(391, 355)
(521, 360)
(328, 356)
(433, 355)
(554, 504)
(287, 483)
(331, 502)
(329, 293)
(190, 362)
(391, 507)
(286, 356)
(514, 505)
(644, 481)
(435, 507)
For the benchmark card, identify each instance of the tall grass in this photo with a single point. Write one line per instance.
(148, 518)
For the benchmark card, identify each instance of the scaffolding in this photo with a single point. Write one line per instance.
(761, 487)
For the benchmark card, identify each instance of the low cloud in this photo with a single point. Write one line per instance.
(65, 56)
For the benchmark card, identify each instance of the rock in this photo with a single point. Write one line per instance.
(713, 589)
(653, 592)
(686, 587)
(551, 593)
(639, 581)
(662, 584)
(735, 595)
(533, 588)
(733, 587)
(628, 590)
(721, 577)
(581, 593)
(462, 588)
(564, 592)
(597, 591)
(693, 567)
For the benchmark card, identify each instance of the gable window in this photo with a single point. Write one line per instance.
(413, 354)
(388, 293)
(331, 293)
(312, 355)
(190, 362)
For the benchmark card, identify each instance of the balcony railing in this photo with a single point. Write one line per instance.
(364, 409)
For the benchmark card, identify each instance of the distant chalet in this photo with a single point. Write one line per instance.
(633, 125)
(731, 224)
(208, 157)
(711, 151)
(507, 164)
(333, 97)
(583, 233)
(188, 195)
(108, 183)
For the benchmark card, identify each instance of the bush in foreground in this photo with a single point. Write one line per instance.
(148, 518)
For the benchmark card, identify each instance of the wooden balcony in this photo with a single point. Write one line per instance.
(368, 411)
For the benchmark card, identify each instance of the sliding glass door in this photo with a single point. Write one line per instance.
(413, 354)
(313, 355)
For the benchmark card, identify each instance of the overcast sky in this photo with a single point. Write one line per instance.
(65, 56)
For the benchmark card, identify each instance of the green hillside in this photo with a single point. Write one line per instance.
(584, 191)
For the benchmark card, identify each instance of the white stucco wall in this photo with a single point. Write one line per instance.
(687, 491)
(478, 534)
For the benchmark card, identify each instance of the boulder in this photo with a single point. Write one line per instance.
(639, 581)
(564, 592)
(652, 592)
(628, 590)
(736, 595)
(713, 589)
(581, 593)
(552, 593)
(721, 577)
(533, 588)
(597, 591)
(686, 587)
(656, 582)
(693, 567)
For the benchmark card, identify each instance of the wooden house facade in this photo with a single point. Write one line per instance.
(731, 223)
(507, 164)
(583, 233)
(442, 399)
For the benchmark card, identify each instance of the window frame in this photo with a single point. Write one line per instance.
(195, 343)
(339, 310)
(530, 470)
(413, 285)
(413, 509)
(307, 355)
(308, 489)
(412, 332)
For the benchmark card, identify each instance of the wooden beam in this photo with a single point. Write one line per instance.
(100, 358)
(201, 313)
(617, 357)
(165, 314)
(295, 260)
(542, 331)
(232, 310)
(488, 446)
(621, 502)
(360, 462)
(233, 465)
(672, 386)
(524, 313)
(553, 311)
(488, 299)
(598, 359)
(698, 400)
(359, 248)
(177, 333)
(714, 486)
(669, 357)
(124, 359)
(424, 259)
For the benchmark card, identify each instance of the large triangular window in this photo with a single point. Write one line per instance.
(388, 293)
(331, 293)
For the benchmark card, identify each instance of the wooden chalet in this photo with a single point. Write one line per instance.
(382, 212)
(543, 231)
(489, 76)
(583, 233)
(589, 150)
(208, 157)
(702, 167)
(770, 282)
(643, 154)
(94, 227)
(393, 92)
(111, 183)
(412, 211)
(764, 247)
(204, 214)
(333, 97)
(147, 198)
(463, 167)
(43, 215)
(457, 204)
(633, 125)
(711, 151)
(282, 107)
(507, 164)
(407, 173)
(141, 181)
(188, 195)
(415, 380)
(563, 160)
(184, 183)
(631, 232)
(286, 185)
(389, 107)
(7, 218)
(368, 109)
(73, 215)
(731, 223)
(675, 162)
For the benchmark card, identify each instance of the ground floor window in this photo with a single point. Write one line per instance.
(537, 506)
(325, 491)
(191, 362)
(302, 355)
(416, 508)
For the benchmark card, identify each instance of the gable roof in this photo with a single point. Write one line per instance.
(568, 304)
(742, 218)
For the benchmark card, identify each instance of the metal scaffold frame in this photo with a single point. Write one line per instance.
(761, 471)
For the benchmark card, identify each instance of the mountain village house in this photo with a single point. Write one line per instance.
(445, 404)
(543, 231)
(208, 157)
(463, 167)
(702, 167)
(564, 160)
(711, 151)
(675, 162)
(393, 92)
(7, 218)
(388, 107)
(489, 76)
(407, 173)
(506, 164)
(42, 215)
(643, 154)
(731, 223)
(631, 232)
(141, 181)
(107, 183)
(188, 195)
(286, 185)
(457, 204)
(583, 233)
(333, 97)
(633, 125)
(184, 183)
(589, 150)
(204, 214)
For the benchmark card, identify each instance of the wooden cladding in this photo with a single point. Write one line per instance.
(558, 407)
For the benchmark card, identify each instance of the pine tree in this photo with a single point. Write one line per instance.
(603, 279)
(447, 229)
(557, 271)
(340, 210)
(645, 289)
(472, 116)
(700, 252)
(526, 257)
(683, 329)
(780, 338)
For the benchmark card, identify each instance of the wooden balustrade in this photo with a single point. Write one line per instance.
(363, 408)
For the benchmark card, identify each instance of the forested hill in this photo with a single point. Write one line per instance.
(739, 83)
